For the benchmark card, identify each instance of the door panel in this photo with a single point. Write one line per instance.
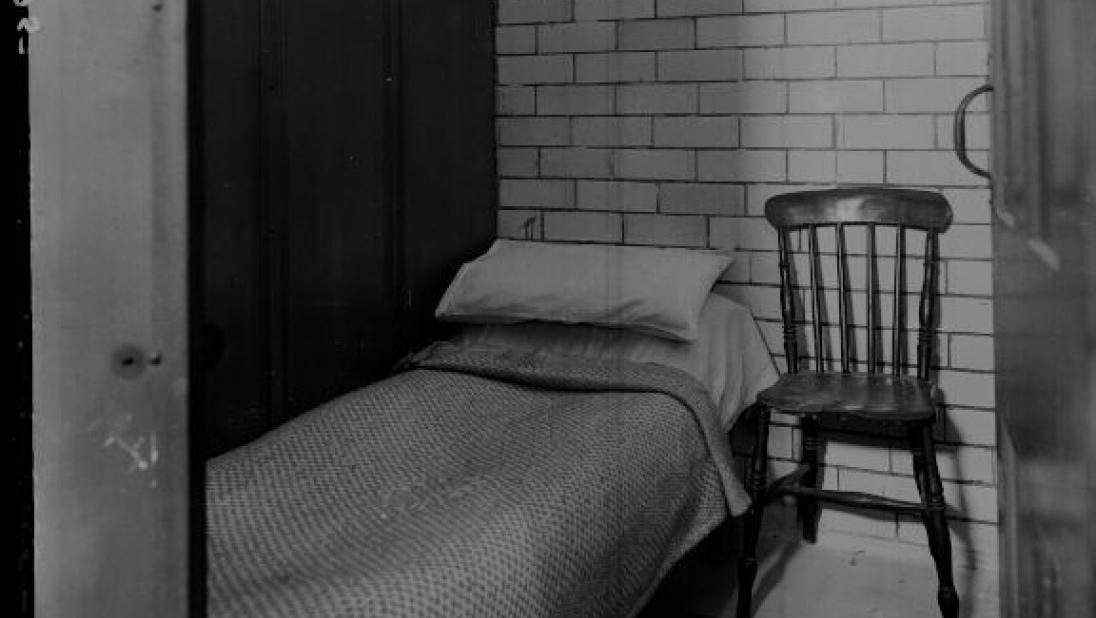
(234, 325)
(109, 292)
(348, 171)
(1045, 303)
(448, 202)
(337, 260)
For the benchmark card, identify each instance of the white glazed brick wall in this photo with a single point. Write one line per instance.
(670, 122)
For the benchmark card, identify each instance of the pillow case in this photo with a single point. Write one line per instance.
(652, 290)
(729, 358)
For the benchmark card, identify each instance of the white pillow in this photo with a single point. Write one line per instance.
(651, 290)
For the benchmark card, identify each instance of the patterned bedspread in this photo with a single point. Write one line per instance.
(478, 483)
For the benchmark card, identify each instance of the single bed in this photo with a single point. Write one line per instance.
(515, 470)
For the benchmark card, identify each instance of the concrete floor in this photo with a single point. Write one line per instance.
(820, 581)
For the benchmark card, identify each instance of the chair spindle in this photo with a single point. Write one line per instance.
(897, 333)
(787, 305)
(872, 300)
(816, 293)
(843, 322)
(927, 307)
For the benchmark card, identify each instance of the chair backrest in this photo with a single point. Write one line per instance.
(806, 212)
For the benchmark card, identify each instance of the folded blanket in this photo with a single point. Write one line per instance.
(478, 483)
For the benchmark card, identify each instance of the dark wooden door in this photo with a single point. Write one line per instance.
(338, 210)
(448, 172)
(1045, 303)
(234, 327)
(347, 161)
(296, 209)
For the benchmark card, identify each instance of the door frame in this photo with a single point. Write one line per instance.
(113, 472)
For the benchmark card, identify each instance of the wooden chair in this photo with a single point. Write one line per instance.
(878, 393)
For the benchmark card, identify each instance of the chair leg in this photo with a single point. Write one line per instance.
(808, 508)
(914, 432)
(923, 448)
(755, 485)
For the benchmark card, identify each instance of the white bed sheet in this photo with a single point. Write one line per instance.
(729, 357)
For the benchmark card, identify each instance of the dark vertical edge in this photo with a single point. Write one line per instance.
(396, 267)
(927, 307)
(1001, 152)
(843, 321)
(196, 426)
(495, 183)
(787, 304)
(450, 181)
(898, 329)
(493, 24)
(1039, 165)
(273, 197)
(18, 438)
(872, 301)
(816, 295)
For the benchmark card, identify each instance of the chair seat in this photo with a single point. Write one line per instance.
(868, 395)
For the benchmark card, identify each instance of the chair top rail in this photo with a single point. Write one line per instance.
(923, 210)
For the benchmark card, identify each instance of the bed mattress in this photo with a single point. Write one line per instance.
(477, 483)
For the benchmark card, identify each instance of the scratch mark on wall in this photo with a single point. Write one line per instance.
(138, 459)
